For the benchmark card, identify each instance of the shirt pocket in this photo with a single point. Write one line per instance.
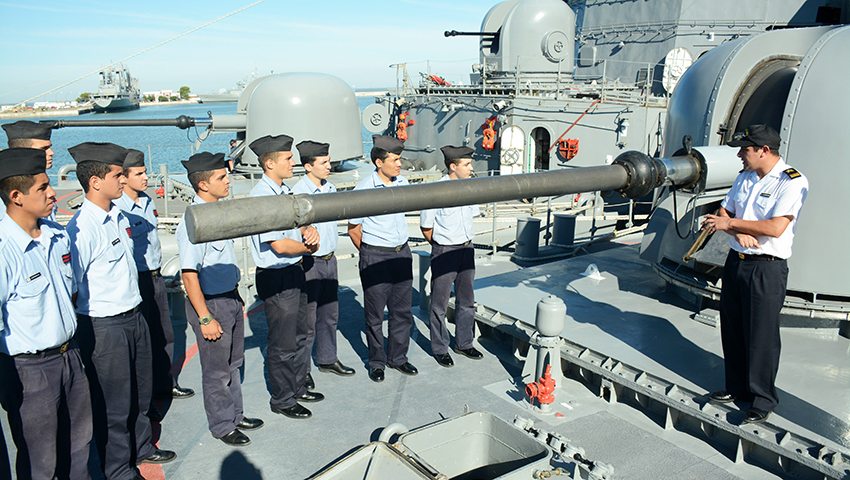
(31, 297)
(138, 230)
(115, 252)
(764, 207)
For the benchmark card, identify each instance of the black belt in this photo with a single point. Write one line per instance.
(128, 312)
(758, 258)
(464, 244)
(153, 273)
(45, 353)
(326, 257)
(384, 249)
(231, 294)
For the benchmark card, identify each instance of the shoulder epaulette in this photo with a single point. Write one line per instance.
(792, 173)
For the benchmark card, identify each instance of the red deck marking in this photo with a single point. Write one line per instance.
(256, 309)
(152, 471)
(63, 196)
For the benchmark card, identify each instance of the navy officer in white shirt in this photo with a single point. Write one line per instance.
(215, 310)
(42, 371)
(449, 231)
(112, 334)
(760, 216)
(140, 211)
(281, 286)
(320, 268)
(386, 267)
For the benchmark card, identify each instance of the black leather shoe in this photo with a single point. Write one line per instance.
(160, 456)
(311, 397)
(248, 424)
(337, 368)
(295, 411)
(445, 360)
(376, 374)
(755, 415)
(180, 392)
(309, 383)
(236, 438)
(722, 396)
(138, 477)
(154, 414)
(406, 368)
(470, 352)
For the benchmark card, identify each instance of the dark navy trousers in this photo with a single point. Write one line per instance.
(287, 355)
(322, 307)
(154, 308)
(220, 362)
(387, 279)
(116, 352)
(452, 265)
(750, 301)
(50, 416)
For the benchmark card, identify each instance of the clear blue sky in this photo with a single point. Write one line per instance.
(53, 41)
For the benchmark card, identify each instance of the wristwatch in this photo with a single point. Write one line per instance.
(205, 320)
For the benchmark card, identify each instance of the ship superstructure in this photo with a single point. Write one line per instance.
(117, 90)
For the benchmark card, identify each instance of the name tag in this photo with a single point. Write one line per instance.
(118, 240)
(764, 194)
(33, 277)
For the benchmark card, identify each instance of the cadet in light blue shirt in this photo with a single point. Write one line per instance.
(41, 377)
(113, 336)
(27, 134)
(140, 210)
(449, 231)
(386, 267)
(215, 310)
(280, 284)
(320, 269)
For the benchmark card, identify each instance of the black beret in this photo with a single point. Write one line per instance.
(455, 153)
(204, 161)
(756, 136)
(22, 161)
(308, 148)
(390, 144)
(27, 129)
(263, 145)
(108, 153)
(134, 158)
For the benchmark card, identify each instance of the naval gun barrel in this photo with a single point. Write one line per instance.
(633, 174)
(455, 33)
(182, 122)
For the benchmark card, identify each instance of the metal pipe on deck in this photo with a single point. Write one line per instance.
(633, 174)
(182, 122)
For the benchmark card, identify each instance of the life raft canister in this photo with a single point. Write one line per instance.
(439, 81)
(568, 148)
(489, 140)
(403, 122)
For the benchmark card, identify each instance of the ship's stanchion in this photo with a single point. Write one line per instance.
(544, 357)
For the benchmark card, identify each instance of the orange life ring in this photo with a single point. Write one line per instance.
(489, 141)
(401, 133)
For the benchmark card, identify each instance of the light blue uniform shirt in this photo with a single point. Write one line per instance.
(102, 257)
(382, 230)
(452, 225)
(328, 232)
(261, 250)
(36, 284)
(215, 262)
(147, 251)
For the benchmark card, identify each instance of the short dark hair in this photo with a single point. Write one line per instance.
(379, 153)
(456, 161)
(195, 178)
(308, 160)
(91, 168)
(20, 143)
(22, 183)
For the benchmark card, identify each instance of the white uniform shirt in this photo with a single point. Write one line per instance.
(774, 195)
(102, 257)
